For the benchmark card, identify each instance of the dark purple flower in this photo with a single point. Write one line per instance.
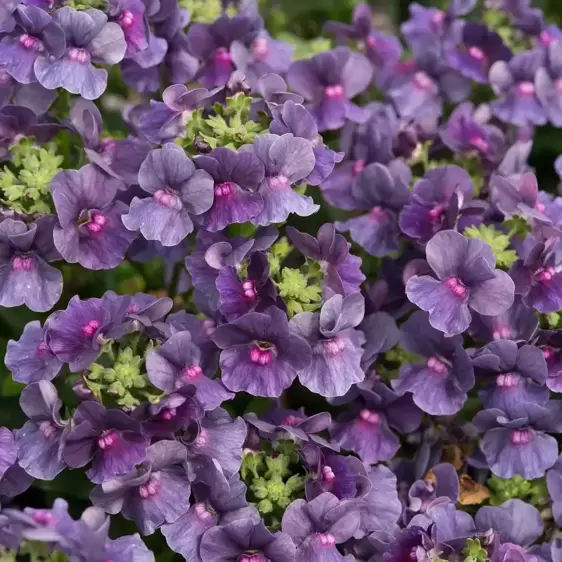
(316, 527)
(111, 439)
(337, 347)
(177, 191)
(30, 358)
(366, 428)
(153, 493)
(517, 195)
(8, 450)
(328, 81)
(130, 16)
(237, 177)
(143, 310)
(260, 355)
(90, 231)
(166, 120)
(381, 191)
(479, 49)
(466, 278)
(381, 334)
(89, 39)
(287, 160)
(76, 335)
(178, 363)
(554, 484)
(341, 269)
(273, 91)
(218, 502)
(549, 82)
(430, 203)
(440, 384)
(41, 440)
(25, 276)
(520, 445)
(516, 82)
(464, 133)
(518, 376)
(245, 541)
(35, 36)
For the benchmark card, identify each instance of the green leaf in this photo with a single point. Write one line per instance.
(498, 241)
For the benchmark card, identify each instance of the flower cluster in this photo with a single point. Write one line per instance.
(279, 321)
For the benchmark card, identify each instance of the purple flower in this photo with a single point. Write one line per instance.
(341, 269)
(153, 493)
(383, 192)
(218, 502)
(548, 83)
(111, 439)
(337, 347)
(36, 36)
(41, 440)
(89, 38)
(519, 376)
(245, 541)
(428, 26)
(217, 436)
(273, 91)
(236, 176)
(366, 428)
(129, 15)
(30, 359)
(520, 445)
(328, 81)
(517, 195)
(287, 160)
(554, 484)
(76, 335)
(381, 334)
(25, 276)
(466, 278)
(430, 207)
(8, 450)
(143, 310)
(316, 527)
(516, 82)
(90, 231)
(465, 133)
(440, 384)
(166, 120)
(178, 363)
(548, 340)
(177, 191)
(260, 355)
(480, 48)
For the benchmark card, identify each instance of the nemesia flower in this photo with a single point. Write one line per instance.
(129, 15)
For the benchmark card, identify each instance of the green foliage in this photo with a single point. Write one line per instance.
(86, 4)
(498, 241)
(35, 551)
(499, 21)
(306, 48)
(297, 291)
(229, 126)
(277, 255)
(203, 11)
(25, 180)
(474, 552)
(530, 491)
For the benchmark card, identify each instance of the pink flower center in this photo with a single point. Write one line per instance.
(90, 328)
(526, 88)
(545, 275)
(44, 517)
(277, 182)
(438, 18)
(48, 429)
(326, 539)
(436, 213)
(5, 78)
(249, 288)
(548, 353)
(436, 366)
(202, 438)
(107, 439)
(335, 91)
(202, 512)
(328, 474)
(423, 81)
(502, 332)
(192, 372)
(372, 41)
(476, 53)
(96, 223)
(224, 189)
(479, 143)
(508, 380)
(151, 488)
(370, 417)
(260, 48)
(456, 287)
(260, 356)
(291, 420)
(377, 214)
(521, 436)
(22, 263)
(334, 346)
(545, 38)
(78, 55)
(107, 149)
(43, 349)
(126, 19)
(31, 43)
(251, 556)
(168, 414)
(358, 166)
(222, 55)
(168, 199)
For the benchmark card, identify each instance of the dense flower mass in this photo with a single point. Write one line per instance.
(267, 299)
